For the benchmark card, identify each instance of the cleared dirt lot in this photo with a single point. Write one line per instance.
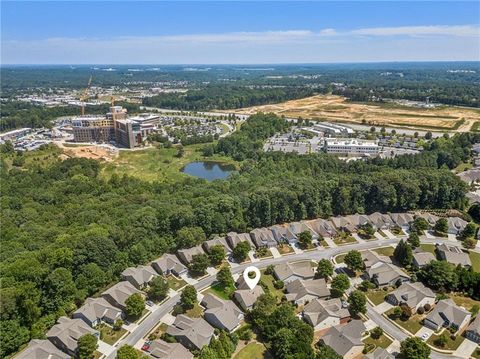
(337, 109)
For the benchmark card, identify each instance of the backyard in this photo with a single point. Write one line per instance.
(268, 281)
(253, 351)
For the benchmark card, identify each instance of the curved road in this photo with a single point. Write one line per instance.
(154, 318)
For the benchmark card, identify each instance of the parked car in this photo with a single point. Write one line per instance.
(149, 303)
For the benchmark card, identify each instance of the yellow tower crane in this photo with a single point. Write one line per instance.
(85, 95)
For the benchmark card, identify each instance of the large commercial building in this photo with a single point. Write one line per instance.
(350, 146)
(115, 126)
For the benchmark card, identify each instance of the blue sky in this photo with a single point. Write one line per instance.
(238, 32)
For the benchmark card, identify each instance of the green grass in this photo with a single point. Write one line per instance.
(412, 324)
(340, 240)
(285, 249)
(221, 292)
(162, 328)
(195, 312)
(382, 342)
(450, 345)
(109, 335)
(463, 167)
(158, 164)
(428, 248)
(475, 128)
(340, 258)
(377, 296)
(476, 352)
(465, 302)
(268, 280)
(475, 259)
(263, 253)
(385, 251)
(175, 283)
(253, 351)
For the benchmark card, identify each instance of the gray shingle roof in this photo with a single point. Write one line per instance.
(196, 331)
(68, 331)
(371, 258)
(302, 270)
(218, 241)
(342, 338)
(263, 237)
(323, 227)
(379, 353)
(224, 312)
(162, 350)
(298, 289)
(412, 293)
(41, 349)
(168, 262)
(385, 273)
(247, 297)
(422, 257)
(139, 276)
(234, 238)
(318, 310)
(453, 254)
(186, 255)
(120, 292)
(98, 309)
(475, 325)
(447, 308)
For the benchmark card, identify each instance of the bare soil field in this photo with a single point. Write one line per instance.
(337, 109)
(94, 152)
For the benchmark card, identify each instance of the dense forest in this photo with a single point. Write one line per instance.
(67, 232)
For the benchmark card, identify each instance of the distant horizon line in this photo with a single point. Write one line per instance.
(246, 64)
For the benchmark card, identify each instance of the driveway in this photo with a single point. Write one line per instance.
(105, 348)
(389, 234)
(383, 307)
(275, 252)
(330, 243)
(189, 279)
(465, 349)
(424, 330)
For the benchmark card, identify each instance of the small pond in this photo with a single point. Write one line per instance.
(208, 170)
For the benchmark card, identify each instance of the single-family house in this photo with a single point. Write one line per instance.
(139, 276)
(160, 349)
(323, 227)
(41, 349)
(403, 220)
(192, 333)
(456, 225)
(96, 311)
(247, 297)
(234, 238)
(303, 291)
(186, 255)
(430, 218)
(299, 227)
(447, 314)
(288, 272)
(169, 264)
(65, 334)
(421, 258)
(473, 330)
(283, 234)
(263, 237)
(370, 258)
(379, 353)
(386, 274)
(217, 241)
(119, 293)
(413, 295)
(346, 340)
(381, 220)
(453, 254)
(322, 314)
(222, 314)
(343, 223)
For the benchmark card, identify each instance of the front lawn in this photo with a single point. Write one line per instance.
(475, 259)
(220, 291)
(450, 344)
(108, 335)
(285, 249)
(195, 312)
(385, 251)
(253, 351)
(263, 253)
(175, 283)
(476, 353)
(323, 243)
(377, 296)
(343, 239)
(382, 342)
(412, 324)
(161, 329)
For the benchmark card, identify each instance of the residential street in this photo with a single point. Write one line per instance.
(153, 319)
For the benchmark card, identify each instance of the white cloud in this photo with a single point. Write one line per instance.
(417, 43)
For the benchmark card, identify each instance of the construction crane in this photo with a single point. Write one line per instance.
(85, 95)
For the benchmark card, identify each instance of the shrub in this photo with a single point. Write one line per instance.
(278, 284)
(376, 332)
(420, 310)
(427, 307)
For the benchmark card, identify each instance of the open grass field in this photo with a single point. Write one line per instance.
(337, 109)
(157, 164)
(253, 351)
